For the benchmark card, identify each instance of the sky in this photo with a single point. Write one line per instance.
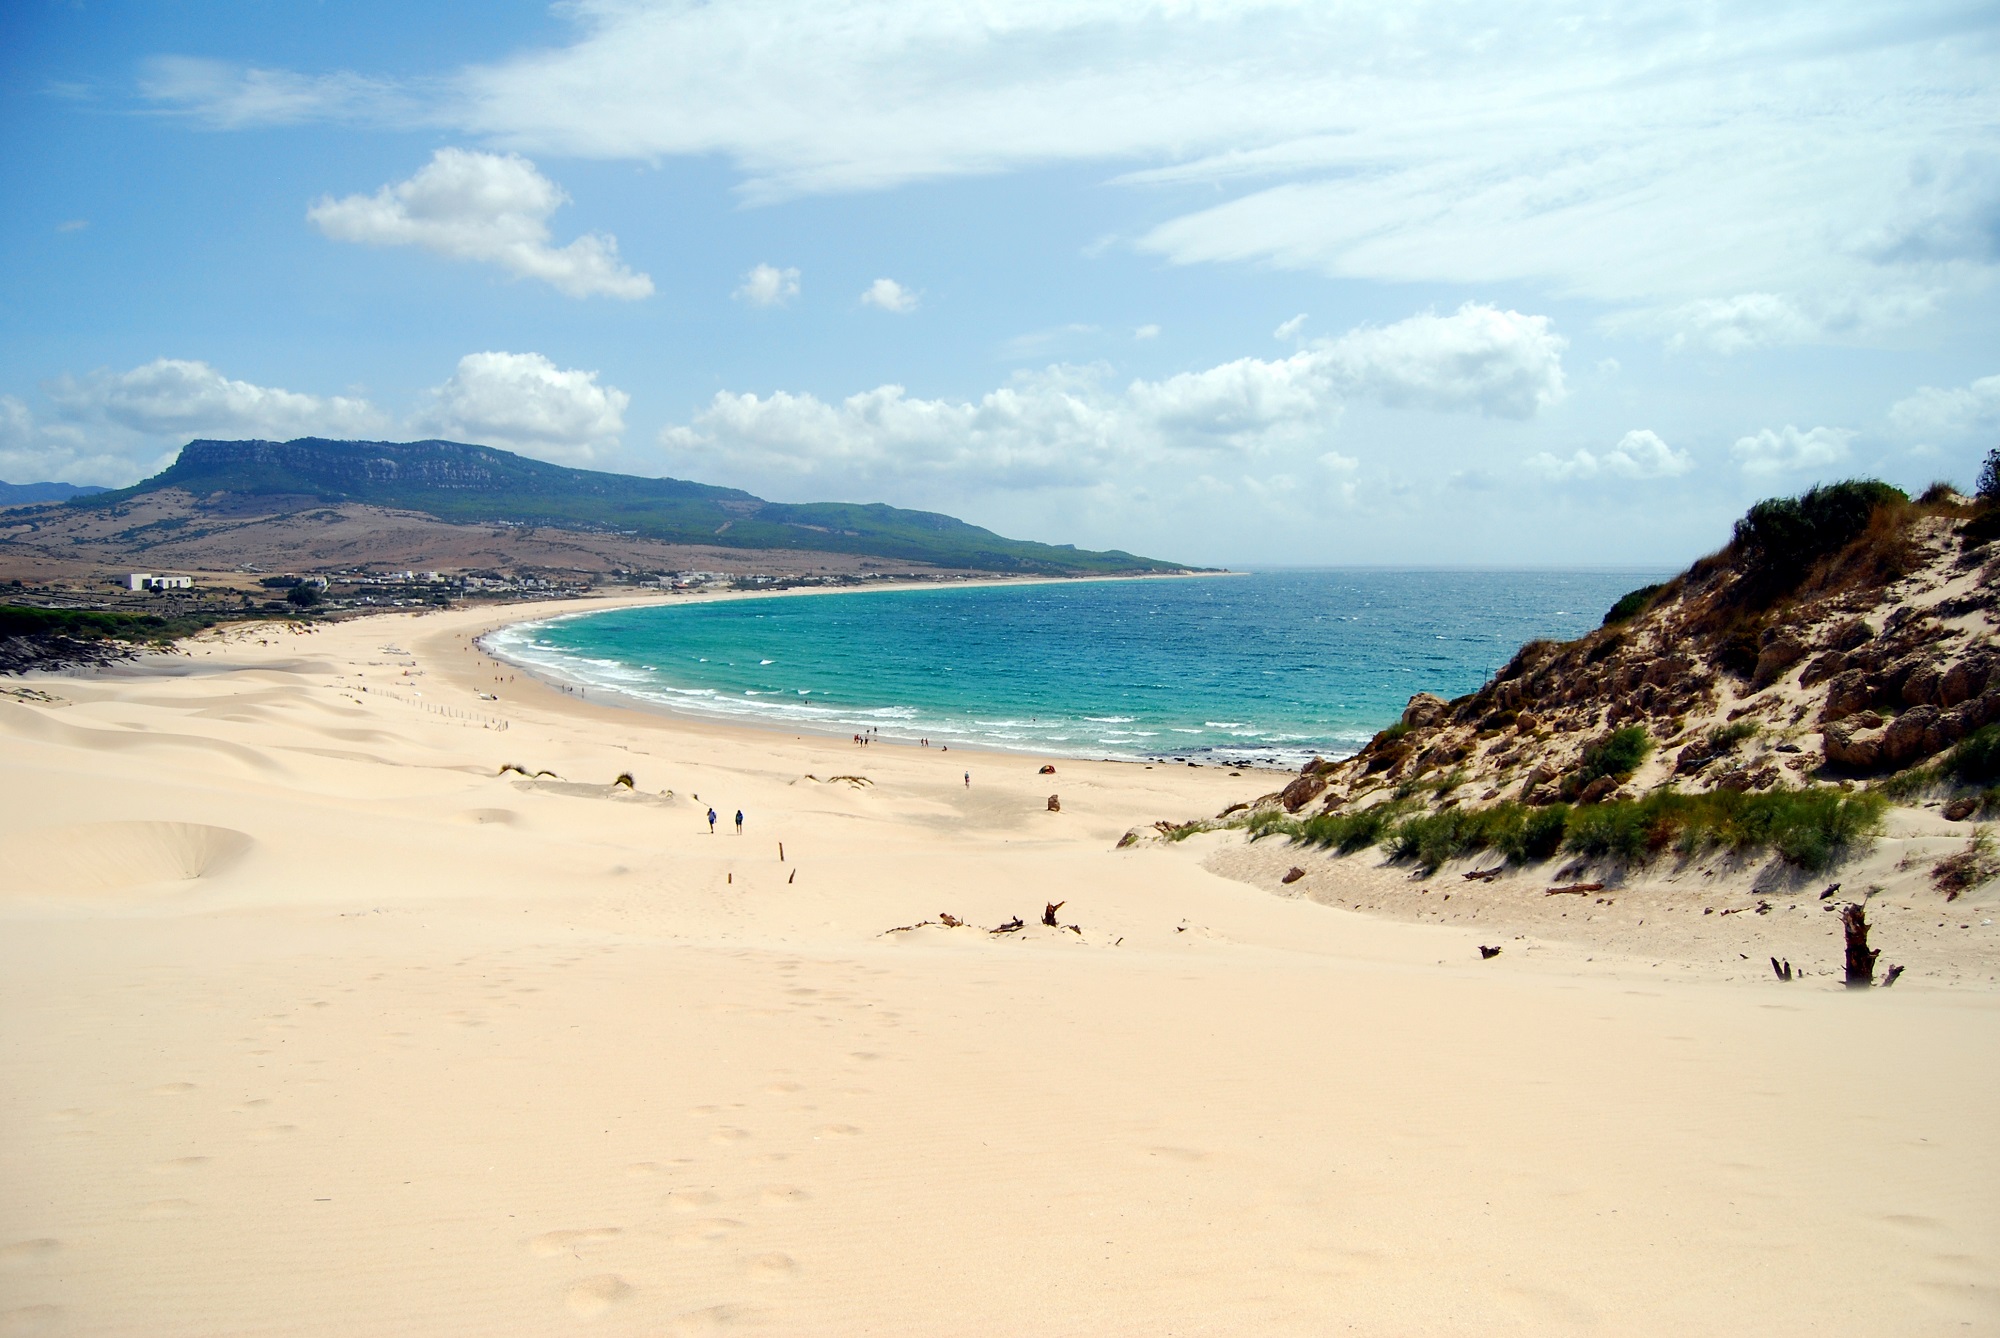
(1258, 283)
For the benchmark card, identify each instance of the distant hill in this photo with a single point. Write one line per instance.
(34, 494)
(466, 484)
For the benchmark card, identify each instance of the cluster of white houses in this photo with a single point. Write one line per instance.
(145, 580)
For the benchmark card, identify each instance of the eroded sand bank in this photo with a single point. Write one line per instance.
(316, 1023)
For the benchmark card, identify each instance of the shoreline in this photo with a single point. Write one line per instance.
(551, 677)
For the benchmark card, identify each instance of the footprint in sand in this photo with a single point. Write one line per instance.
(271, 1133)
(729, 1134)
(782, 1194)
(772, 1267)
(782, 1087)
(554, 1244)
(27, 1251)
(179, 1164)
(1178, 1154)
(31, 1319)
(593, 1296)
(691, 1200)
(173, 1089)
(639, 1170)
(837, 1131)
(707, 1231)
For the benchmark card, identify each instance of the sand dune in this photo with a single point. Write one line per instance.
(316, 1021)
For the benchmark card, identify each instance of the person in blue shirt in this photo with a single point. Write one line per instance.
(711, 822)
(739, 822)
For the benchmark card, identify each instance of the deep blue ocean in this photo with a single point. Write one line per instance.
(1267, 668)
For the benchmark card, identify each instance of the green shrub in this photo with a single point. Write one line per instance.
(1348, 832)
(1989, 477)
(1537, 833)
(1780, 538)
(1975, 759)
(1632, 605)
(1614, 830)
(1723, 737)
(1617, 755)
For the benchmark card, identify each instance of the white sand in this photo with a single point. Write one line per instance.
(314, 1024)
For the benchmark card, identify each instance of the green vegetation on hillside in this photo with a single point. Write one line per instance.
(1808, 828)
(98, 624)
(467, 484)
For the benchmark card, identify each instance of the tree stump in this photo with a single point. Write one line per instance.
(1860, 957)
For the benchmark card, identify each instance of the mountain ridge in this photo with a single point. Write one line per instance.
(466, 484)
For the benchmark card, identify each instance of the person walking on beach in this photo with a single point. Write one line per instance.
(711, 822)
(739, 822)
(968, 780)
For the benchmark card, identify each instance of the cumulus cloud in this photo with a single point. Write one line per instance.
(177, 397)
(1933, 415)
(1148, 331)
(1787, 450)
(486, 207)
(768, 286)
(1639, 454)
(1290, 329)
(116, 427)
(1069, 426)
(889, 296)
(525, 402)
(1480, 358)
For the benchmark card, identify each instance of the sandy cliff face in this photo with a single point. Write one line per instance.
(1879, 659)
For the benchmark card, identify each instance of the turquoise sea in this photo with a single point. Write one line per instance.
(1267, 668)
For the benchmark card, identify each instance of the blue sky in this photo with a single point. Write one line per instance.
(1576, 283)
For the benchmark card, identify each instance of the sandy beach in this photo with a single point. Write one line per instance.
(318, 1021)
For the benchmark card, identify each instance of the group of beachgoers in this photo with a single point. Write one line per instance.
(869, 735)
(711, 822)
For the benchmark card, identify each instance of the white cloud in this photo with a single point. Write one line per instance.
(768, 286)
(889, 296)
(1944, 415)
(1147, 332)
(1481, 358)
(229, 97)
(1290, 329)
(73, 225)
(484, 207)
(524, 402)
(1788, 450)
(175, 397)
(1639, 454)
(1651, 155)
(1068, 426)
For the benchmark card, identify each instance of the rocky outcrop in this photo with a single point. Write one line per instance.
(1879, 658)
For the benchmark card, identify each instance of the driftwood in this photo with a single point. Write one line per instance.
(948, 920)
(1049, 913)
(1890, 978)
(1487, 954)
(1013, 926)
(1485, 875)
(1860, 957)
(1831, 888)
(1055, 803)
(624, 779)
(794, 878)
(1782, 971)
(1293, 876)
(1574, 890)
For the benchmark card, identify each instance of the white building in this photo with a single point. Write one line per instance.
(145, 580)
